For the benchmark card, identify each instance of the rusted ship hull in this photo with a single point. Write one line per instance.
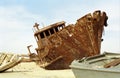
(59, 45)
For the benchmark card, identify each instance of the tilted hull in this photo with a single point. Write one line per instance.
(59, 45)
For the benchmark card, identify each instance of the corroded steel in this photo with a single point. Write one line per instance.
(59, 45)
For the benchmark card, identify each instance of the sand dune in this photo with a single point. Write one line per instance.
(31, 70)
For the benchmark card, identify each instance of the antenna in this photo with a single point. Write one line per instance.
(36, 26)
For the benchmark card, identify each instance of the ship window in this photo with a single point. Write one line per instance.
(60, 27)
(51, 31)
(56, 29)
(42, 35)
(47, 33)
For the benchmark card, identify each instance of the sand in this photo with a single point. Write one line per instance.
(31, 70)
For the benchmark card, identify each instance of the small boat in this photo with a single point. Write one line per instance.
(8, 61)
(106, 65)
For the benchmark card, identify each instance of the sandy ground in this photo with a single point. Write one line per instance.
(31, 70)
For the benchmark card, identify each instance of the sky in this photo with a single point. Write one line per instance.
(17, 18)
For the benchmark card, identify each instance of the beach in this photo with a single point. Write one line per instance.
(31, 70)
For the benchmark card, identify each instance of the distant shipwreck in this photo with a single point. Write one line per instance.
(59, 45)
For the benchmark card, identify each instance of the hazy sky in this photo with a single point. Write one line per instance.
(17, 18)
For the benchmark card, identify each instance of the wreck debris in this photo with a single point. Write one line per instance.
(8, 61)
(59, 45)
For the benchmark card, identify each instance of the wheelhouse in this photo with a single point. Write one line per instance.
(42, 34)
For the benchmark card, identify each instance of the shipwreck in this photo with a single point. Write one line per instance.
(59, 45)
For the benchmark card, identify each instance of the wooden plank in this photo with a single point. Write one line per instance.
(113, 63)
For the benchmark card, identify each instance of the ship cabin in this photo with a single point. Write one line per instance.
(42, 35)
